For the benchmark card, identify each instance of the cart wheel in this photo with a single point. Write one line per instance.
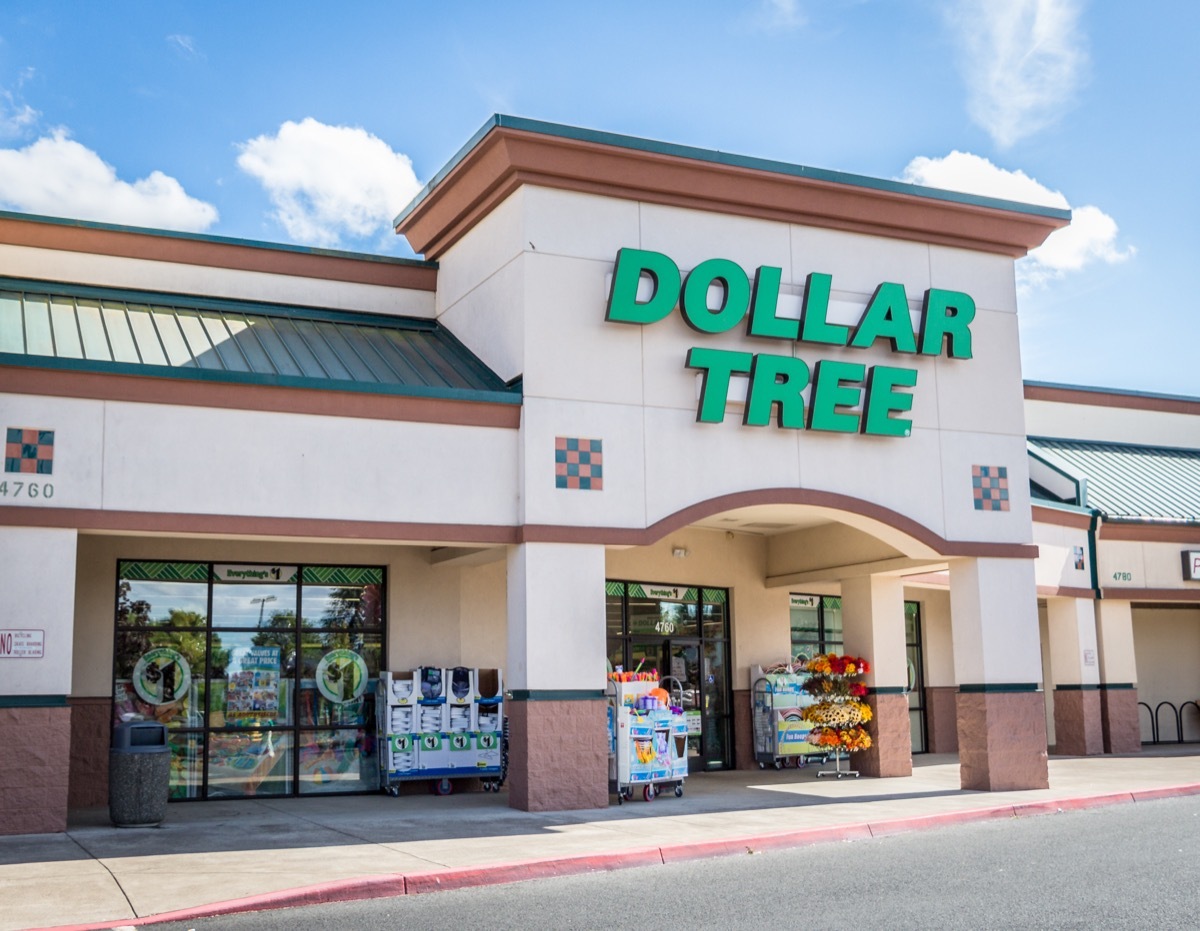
(442, 786)
(648, 793)
(679, 791)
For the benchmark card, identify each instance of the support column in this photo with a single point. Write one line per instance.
(558, 730)
(1074, 666)
(37, 576)
(873, 627)
(1118, 677)
(997, 662)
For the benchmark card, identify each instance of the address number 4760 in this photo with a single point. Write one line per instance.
(26, 490)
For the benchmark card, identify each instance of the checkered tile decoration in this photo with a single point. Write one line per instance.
(990, 485)
(30, 451)
(578, 463)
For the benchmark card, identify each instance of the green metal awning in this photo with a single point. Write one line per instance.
(139, 333)
(1128, 482)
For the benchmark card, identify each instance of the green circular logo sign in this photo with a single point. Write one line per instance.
(341, 676)
(162, 676)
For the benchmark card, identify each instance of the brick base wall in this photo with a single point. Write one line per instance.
(1119, 718)
(91, 730)
(35, 751)
(558, 755)
(1002, 741)
(890, 753)
(1077, 727)
(743, 730)
(941, 718)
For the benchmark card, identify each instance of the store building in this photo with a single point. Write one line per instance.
(638, 401)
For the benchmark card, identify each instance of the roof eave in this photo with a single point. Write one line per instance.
(508, 152)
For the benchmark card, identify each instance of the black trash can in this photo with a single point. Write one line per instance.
(139, 774)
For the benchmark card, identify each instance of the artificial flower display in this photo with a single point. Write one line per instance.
(838, 714)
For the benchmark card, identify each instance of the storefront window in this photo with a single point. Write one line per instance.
(276, 695)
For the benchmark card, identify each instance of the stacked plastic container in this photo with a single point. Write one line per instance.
(441, 722)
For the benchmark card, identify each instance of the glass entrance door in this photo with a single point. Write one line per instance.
(683, 632)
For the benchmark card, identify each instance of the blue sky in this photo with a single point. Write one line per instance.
(314, 123)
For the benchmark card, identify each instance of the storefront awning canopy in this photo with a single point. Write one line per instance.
(137, 333)
(1127, 482)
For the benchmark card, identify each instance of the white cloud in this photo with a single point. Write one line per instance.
(1090, 237)
(330, 181)
(15, 118)
(184, 46)
(775, 15)
(59, 177)
(1022, 61)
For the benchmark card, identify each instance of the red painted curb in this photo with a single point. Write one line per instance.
(740, 846)
(371, 887)
(1147, 795)
(1072, 804)
(464, 877)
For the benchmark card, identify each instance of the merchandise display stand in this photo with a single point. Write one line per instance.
(838, 712)
(438, 724)
(780, 731)
(647, 741)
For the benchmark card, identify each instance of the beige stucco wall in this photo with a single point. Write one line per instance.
(1055, 566)
(179, 459)
(937, 643)
(1114, 424)
(205, 280)
(629, 386)
(1130, 564)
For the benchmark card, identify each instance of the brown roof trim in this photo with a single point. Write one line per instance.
(234, 525)
(1103, 397)
(507, 158)
(96, 239)
(1152, 594)
(1061, 591)
(225, 524)
(151, 390)
(1044, 515)
(621, 536)
(1151, 533)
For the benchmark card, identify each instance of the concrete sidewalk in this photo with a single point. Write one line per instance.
(217, 857)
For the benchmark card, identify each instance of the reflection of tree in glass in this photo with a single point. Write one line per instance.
(352, 608)
(284, 639)
(137, 613)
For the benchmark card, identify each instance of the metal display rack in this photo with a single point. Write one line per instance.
(647, 747)
(779, 733)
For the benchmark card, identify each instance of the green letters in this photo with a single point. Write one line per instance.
(831, 391)
(717, 365)
(882, 399)
(947, 314)
(623, 305)
(886, 317)
(814, 328)
(693, 302)
(843, 397)
(764, 302)
(776, 380)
